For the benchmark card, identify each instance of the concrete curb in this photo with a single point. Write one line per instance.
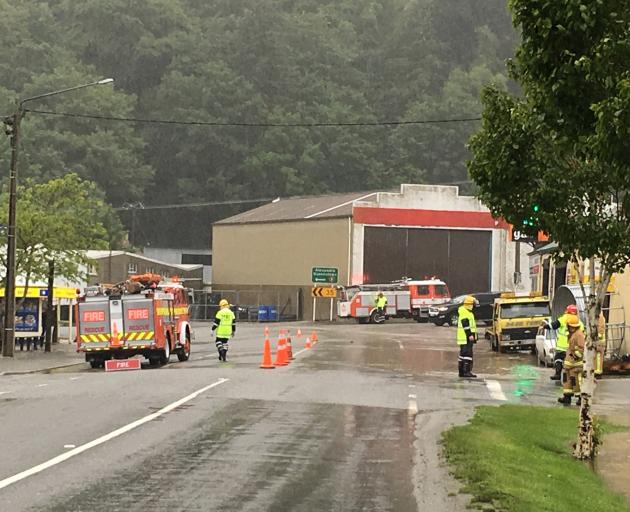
(40, 370)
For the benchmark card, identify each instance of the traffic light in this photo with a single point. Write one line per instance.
(532, 220)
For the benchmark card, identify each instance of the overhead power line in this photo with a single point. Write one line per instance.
(137, 206)
(255, 125)
(140, 206)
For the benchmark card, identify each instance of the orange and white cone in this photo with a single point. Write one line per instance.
(115, 340)
(289, 346)
(308, 343)
(266, 363)
(299, 334)
(314, 337)
(281, 353)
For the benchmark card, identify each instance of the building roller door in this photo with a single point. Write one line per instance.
(461, 258)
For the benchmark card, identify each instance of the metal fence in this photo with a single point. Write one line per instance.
(248, 305)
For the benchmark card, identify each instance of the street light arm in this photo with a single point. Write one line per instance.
(61, 91)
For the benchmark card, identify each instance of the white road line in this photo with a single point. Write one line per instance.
(496, 393)
(300, 351)
(42, 385)
(4, 392)
(412, 408)
(75, 378)
(103, 439)
(67, 446)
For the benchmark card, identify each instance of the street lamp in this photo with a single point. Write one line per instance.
(12, 124)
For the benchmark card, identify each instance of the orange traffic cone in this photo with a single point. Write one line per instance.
(281, 353)
(266, 361)
(308, 343)
(266, 331)
(115, 339)
(299, 334)
(289, 346)
(314, 337)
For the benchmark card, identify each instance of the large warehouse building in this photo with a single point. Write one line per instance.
(267, 254)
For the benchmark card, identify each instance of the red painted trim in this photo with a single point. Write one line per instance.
(428, 218)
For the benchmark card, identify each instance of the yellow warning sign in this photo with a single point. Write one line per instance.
(320, 291)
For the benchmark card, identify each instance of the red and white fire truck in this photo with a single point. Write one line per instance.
(407, 298)
(139, 316)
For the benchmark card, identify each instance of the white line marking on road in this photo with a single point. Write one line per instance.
(300, 351)
(496, 393)
(75, 378)
(42, 385)
(412, 408)
(400, 344)
(67, 446)
(103, 439)
(4, 392)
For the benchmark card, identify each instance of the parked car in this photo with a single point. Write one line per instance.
(446, 314)
(545, 346)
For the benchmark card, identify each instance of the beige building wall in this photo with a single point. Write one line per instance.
(280, 253)
(620, 306)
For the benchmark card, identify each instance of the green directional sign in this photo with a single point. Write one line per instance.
(325, 275)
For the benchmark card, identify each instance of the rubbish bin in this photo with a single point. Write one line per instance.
(263, 313)
(272, 313)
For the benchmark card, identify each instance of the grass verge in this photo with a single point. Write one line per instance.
(518, 459)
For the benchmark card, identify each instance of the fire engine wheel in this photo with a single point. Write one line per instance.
(165, 356)
(454, 319)
(97, 363)
(184, 353)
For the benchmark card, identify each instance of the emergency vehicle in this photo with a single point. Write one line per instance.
(407, 298)
(137, 317)
(515, 321)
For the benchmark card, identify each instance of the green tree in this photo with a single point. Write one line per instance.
(557, 156)
(57, 222)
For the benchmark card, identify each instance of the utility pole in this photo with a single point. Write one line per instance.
(12, 124)
(13, 130)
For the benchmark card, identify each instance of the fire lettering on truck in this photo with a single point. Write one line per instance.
(138, 314)
(94, 316)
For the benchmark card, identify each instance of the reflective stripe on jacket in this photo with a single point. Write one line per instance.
(465, 313)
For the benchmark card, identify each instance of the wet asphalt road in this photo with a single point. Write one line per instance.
(352, 424)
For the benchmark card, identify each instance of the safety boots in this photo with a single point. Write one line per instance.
(565, 399)
(467, 371)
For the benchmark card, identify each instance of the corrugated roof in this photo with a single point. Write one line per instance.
(301, 208)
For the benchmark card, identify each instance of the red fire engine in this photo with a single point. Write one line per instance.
(405, 299)
(138, 316)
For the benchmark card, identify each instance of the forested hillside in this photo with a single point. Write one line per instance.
(269, 62)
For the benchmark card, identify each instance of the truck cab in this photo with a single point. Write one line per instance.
(515, 321)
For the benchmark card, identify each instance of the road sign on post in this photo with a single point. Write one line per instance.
(325, 275)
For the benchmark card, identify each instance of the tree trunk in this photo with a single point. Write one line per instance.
(585, 446)
(49, 310)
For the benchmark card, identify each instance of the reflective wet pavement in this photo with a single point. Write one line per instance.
(352, 424)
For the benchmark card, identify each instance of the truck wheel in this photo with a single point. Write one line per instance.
(184, 353)
(454, 319)
(165, 356)
(95, 363)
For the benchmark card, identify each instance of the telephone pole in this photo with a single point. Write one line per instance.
(12, 124)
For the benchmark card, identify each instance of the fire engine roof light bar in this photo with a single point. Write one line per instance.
(13, 129)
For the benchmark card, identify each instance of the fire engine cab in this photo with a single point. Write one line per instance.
(406, 298)
(139, 316)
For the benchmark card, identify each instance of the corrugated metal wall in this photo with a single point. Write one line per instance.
(461, 258)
